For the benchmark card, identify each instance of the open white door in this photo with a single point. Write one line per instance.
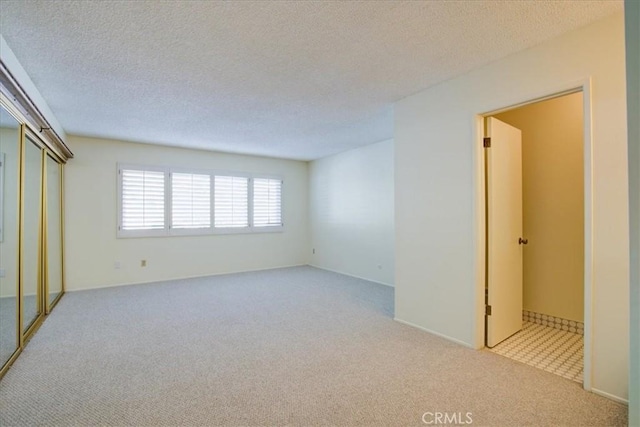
(504, 230)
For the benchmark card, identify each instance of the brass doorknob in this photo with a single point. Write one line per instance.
(522, 241)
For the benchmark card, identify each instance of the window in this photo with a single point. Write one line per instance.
(267, 202)
(231, 201)
(161, 201)
(190, 201)
(142, 200)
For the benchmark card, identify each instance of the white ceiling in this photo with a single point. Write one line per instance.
(291, 79)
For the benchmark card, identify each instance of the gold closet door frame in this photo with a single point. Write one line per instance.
(28, 136)
(18, 324)
(48, 305)
(58, 151)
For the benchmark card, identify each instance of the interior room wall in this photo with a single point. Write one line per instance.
(438, 188)
(553, 204)
(632, 30)
(9, 142)
(351, 211)
(92, 249)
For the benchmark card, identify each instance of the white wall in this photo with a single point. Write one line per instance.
(632, 29)
(438, 188)
(90, 219)
(351, 199)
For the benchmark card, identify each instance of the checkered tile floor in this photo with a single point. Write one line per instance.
(556, 351)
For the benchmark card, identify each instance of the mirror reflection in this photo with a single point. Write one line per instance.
(9, 159)
(54, 231)
(31, 233)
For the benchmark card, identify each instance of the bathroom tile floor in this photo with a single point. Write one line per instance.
(556, 351)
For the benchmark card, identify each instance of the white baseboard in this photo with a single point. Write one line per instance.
(610, 396)
(448, 338)
(352, 275)
(117, 285)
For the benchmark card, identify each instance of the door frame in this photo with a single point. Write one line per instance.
(583, 86)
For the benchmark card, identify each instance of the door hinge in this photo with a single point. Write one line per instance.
(486, 142)
(487, 310)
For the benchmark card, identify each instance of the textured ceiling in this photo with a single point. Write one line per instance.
(292, 79)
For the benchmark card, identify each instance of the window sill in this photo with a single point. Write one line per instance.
(137, 234)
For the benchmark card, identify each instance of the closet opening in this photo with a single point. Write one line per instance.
(536, 277)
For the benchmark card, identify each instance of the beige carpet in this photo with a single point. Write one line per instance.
(297, 346)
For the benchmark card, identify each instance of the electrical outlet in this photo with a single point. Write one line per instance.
(117, 265)
(143, 263)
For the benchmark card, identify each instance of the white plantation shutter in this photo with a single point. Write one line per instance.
(190, 200)
(143, 203)
(156, 201)
(231, 201)
(267, 202)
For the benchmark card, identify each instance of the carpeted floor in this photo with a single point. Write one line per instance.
(297, 346)
(8, 326)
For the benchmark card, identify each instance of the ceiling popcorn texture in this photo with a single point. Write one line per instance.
(290, 79)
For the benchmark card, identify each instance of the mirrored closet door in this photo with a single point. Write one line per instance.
(32, 158)
(53, 227)
(31, 233)
(9, 187)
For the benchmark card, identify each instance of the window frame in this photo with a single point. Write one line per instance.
(268, 228)
(172, 231)
(141, 232)
(234, 230)
(169, 229)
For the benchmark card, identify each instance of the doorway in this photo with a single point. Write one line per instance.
(539, 321)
